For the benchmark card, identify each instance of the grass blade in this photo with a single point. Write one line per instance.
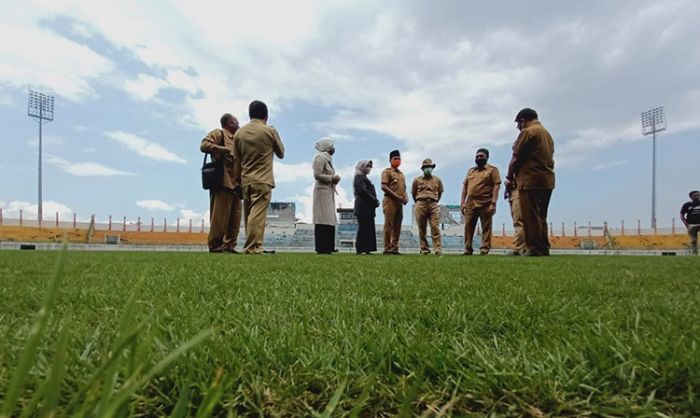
(28, 356)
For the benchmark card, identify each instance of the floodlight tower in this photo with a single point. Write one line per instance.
(653, 121)
(40, 108)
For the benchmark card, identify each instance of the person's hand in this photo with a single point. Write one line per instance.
(405, 200)
(508, 184)
(464, 209)
(492, 208)
(336, 179)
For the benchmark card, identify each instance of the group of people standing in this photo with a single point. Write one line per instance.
(247, 156)
(528, 189)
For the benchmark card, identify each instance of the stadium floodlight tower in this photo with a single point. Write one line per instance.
(40, 108)
(653, 121)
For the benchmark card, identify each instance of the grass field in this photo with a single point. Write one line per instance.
(300, 335)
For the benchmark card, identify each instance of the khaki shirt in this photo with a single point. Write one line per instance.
(395, 180)
(534, 151)
(480, 183)
(215, 138)
(427, 188)
(253, 146)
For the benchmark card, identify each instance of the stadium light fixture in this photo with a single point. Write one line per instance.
(40, 108)
(653, 121)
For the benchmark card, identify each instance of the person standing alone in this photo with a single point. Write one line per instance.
(224, 201)
(690, 215)
(254, 146)
(532, 168)
(394, 188)
(324, 197)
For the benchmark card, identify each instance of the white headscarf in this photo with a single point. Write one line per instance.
(363, 168)
(323, 146)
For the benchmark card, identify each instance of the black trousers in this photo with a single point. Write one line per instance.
(366, 240)
(324, 238)
(534, 205)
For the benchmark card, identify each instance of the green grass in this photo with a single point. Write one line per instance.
(299, 334)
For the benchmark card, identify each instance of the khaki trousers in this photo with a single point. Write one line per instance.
(224, 219)
(693, 234)
(472, 215)
(516, 214)
(428, 211)
(393, 216)
(256, 199)
(534, 205)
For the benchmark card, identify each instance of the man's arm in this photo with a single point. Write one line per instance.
(684, 214)
(414, 189)
(519, 148)
(386, 189)
(463, 201)
(277, 145)
(441, 190)
(210, 144)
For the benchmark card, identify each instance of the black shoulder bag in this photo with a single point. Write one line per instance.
(213, 171)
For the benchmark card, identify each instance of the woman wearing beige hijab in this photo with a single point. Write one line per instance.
(324, 217)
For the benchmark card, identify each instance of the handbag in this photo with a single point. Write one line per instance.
(212, 172)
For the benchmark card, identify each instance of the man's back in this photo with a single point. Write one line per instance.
(535, 151)
(254, 145)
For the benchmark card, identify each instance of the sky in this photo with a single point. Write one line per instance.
(139, 84)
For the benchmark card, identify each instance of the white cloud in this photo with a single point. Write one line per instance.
(441, 80)
(188, 214)
(144, 87)
(37, 57)
(154, 205)
(143, 146)
(288, 173)
(610, 165)
(31, 211)
(46, 140)
(84, 168)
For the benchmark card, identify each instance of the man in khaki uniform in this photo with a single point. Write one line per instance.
(427, 191)
(479, 197)
(511, 195)
(254, 146)
(532, 168)
(395, 196)
(224, 201)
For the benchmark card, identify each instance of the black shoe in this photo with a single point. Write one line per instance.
(268, 251)
(230, 251)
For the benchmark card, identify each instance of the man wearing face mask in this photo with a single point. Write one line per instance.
(479, 197)
(395, 196)
(427, 191)
(532, 168)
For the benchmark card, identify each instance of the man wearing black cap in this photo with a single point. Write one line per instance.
(427, 191)
(394, 187)
(532, 168)
(479, 197)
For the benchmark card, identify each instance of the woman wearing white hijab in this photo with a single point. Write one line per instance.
(366, 203)
(324, 218)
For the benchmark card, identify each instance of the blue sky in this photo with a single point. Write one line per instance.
(138, 84)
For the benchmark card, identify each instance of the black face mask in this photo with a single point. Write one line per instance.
(481, 162)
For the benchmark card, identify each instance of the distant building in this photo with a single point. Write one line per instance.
(281, 214)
